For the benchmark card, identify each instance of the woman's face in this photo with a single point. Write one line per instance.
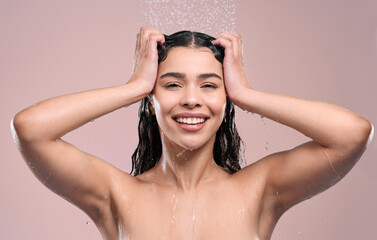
(189, 97)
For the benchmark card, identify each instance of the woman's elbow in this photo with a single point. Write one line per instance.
(362, 134)
(21, 127)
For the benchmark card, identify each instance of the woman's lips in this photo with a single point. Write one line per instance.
(191, 121)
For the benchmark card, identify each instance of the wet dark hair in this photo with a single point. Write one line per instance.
(226, 150)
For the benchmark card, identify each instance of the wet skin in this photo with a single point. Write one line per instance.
(187, 196)
(225, 207)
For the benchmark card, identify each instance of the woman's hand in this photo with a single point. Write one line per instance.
(233, 67)
(146, 59)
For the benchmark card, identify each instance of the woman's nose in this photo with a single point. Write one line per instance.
(191, 98)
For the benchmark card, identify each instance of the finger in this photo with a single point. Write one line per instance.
(153, 40)
(236, 42)
(137, 42)
(145, 32)
(137, 51)
(227, 45)
(230, 36)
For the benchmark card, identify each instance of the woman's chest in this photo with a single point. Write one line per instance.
(203, 214)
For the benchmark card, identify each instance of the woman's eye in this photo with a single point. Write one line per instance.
(172, 85)
(209, 85)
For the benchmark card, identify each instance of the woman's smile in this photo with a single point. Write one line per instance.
(191, 121)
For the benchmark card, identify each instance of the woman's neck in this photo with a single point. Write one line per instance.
(186, 169)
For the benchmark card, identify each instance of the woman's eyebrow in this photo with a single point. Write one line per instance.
(209, 75)
(183, 75)
(173, 74)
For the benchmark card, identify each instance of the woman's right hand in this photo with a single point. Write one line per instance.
(146, 59)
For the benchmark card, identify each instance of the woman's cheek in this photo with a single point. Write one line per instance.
(217, 105)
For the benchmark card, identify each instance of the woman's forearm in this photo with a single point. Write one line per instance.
(53, 118)
(328, 124)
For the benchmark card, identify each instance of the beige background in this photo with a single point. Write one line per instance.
(321, 50)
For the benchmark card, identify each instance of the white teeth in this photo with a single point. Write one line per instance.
(190, 120)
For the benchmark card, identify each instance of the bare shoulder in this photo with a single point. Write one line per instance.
(253, 174)
(122, 182)
(126, 188)
(254, 181)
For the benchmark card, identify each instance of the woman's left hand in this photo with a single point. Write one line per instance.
(234, 71)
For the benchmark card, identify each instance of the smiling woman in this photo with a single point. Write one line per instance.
(187, 181)
(190, 53)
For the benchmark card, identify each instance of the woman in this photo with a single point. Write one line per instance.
(187, 184)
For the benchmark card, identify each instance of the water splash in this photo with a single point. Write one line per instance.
(181, 153)
(211, 17)
(120, 231)
(243, 161)
(173, 207)
(194, 213)
(263, 121)
(266, 147)
(14, 134)
(370, 138)
(45, 181)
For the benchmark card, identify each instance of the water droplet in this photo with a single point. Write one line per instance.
(180, 153)
(87, 222)
(173, 205)
(263, 121)
(265, 148)
(243, 210)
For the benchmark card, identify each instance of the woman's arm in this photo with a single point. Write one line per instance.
(339, 136)
(78, 176)
(59, 165)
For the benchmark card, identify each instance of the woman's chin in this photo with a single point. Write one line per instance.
(189, 147)
(189, 144)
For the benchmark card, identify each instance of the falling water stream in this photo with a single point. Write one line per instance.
(206, 16)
